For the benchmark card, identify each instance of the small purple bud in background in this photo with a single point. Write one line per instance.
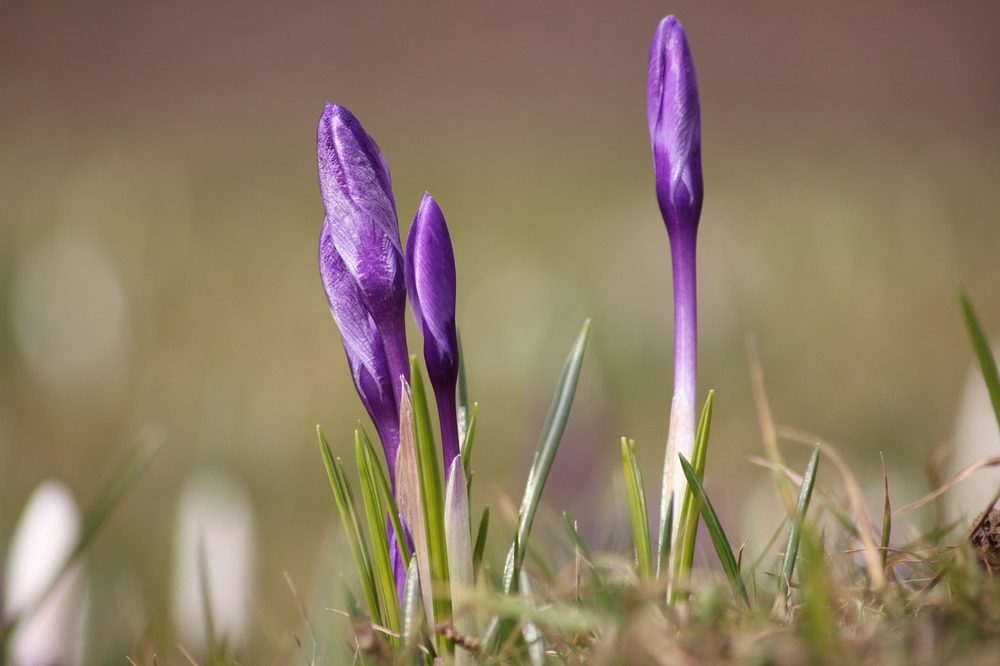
(430, 282)
(363, 229)
(675, 132)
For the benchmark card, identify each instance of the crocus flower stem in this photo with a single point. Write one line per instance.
(675, 133)
(685, 316)
(398, 357)
(683, 406)
(448, 418)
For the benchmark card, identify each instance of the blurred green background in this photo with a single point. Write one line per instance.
(159, 218)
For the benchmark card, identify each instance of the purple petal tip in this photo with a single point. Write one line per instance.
(675, 127)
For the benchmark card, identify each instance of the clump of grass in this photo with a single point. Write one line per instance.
(834, 590)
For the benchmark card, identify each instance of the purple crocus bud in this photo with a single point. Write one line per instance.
(363, 229)
(675, 132)
(363, 344)
(675, 128)
(430, 282)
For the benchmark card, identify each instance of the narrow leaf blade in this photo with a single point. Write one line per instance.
(548, 444)
(431, 495)
(983, 354)
(348, 516)
(637, 509)
(795, 529)
(719, 540)
(375, 518)
(690, 507)
(477, 553)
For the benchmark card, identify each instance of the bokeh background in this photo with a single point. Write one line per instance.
(159, 217)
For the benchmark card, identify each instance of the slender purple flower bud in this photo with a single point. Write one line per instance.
(675, 132)
(675, 128)
(363, 344)
(430, 281)
(363, 229)
(361, 265)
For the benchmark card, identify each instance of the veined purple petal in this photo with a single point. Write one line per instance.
(675, 128)
(356, 187)
(430, 282)
(363, 344)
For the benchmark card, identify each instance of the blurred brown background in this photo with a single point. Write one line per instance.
(159, 216)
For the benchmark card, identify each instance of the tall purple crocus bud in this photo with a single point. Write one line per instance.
(361, 264)
(363, 230)
(675, 131)
(430, 282)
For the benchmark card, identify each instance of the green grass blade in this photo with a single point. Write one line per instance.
(375, 516)
(666, 537)
(351, 506)
(354, 611)
(690, 507)
(413, 615)
(349, 517)
(431, 495)
(583, 552)
(548, 444)
(545, 453)
(719, 540)
(467, 440)
(637, 508)
(574, 536)
(364, 633)
(795, 529)
(385, 494)
(982, 348)
(533, 639)
(477, 553)
(886, 514)
(818, 619)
